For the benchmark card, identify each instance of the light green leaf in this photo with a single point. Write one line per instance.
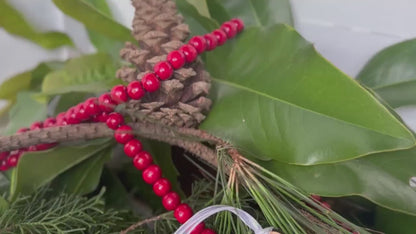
(89, 73)
(4, 183)
(198, 23)
(39, 168)
(69, 100)
(10, 87)
(3, 204)
(94, 19)
(382, 178)
(280, 99)
(14, 23)
(391, 222)
(392, 74)
(252, 12)
(201, 6)
(26, 111)
(84, 177)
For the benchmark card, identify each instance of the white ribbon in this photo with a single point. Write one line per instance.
(203, 214)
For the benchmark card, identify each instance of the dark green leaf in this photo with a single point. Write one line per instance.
(69, 100)
(198, 23)
(39, 168)
(26, 111)
(94, 19)
(252, 12)
(3, 204)
(84, 177)
(391, 222)
(280, 99)
(392, 74)
(382, 178)
(89, 73)
(116, 195)
(14, 23)
(201, 6)
(4, 183)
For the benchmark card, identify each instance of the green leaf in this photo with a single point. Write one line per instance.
(280, 99)
(3, 204)
(252, 12)
(116, 195)
(89, 73)
(14, 23)
(26, 111)
(4, 183)
(201, 6)
(391, 222)
(84, 177)
(198, 23)
(39, 168)
(382, 178)
(10, 87)
(94, 19)
(69, 100)
(392, 74)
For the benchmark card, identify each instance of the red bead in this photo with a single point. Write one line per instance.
(151, 174)
(91, 106)
(119, 94)
(190, 52)
(132, 148)
(23, 130)
(199, 43)
(161, 187)
(208, 231)
(198, 229)
(142, 160)
(114, 120)
(45, 146)
(150, 82)
(135, 90)
(3, 165)
(3, 155)
(71, 116)
(12, 160)
(163, 70)
(176, 59)
(61, 121)
(80, 113)
(106, 103)
(211, 40)
(182, 213)
(326, 205)
(49, 122)
(171, 200)
(100, 117)
(221, 36)
(123, 134)
(230, 29)
(36, 125)
(239, 23)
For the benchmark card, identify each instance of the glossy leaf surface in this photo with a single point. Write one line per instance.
(280, 99)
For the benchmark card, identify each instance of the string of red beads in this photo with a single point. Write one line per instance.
(101, 109)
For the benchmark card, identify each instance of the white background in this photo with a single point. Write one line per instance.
(346, 32)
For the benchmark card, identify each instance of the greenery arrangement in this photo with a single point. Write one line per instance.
(285, 125)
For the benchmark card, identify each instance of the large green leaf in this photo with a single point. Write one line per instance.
(13, 22)
(89, 73)
(391, 222)
(382, 178)
(94, 19)
(10, 87)
(392, 74)
(39, 168)
(276, 97)
(84, 177)
(252, 12)
(26, 111)
(198, 23)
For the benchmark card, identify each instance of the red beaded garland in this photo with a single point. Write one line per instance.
(182, 213)
(176, 58)
(163, 70)
(49, 122)
(36, 125)
(106, 103)
(161, 187)
(22, 130)
(208, 231)
(142, 160)
(119, 94)
(114, 120)
(198, 229)
(135, 90)
(132, 148)
(199, 43)
(91, 106)
(100, 117)
(190, 52)
(230, 29)
(4, 155)
(150, 82)
(151, 174)
(123, 134)
(220, 35)
(12, 160)
(80, 113)
(3, 165)
(171, 200)
(211, 40)
(71, 117)
(239, 23)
